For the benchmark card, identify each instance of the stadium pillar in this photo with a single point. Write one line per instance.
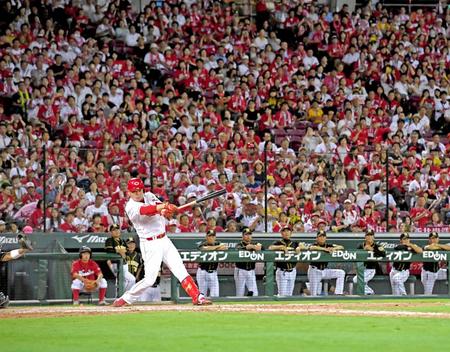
(265, 187)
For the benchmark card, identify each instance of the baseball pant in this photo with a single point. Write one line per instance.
(428, 279)
(152, 294)
(153, 253)
(315, 276)
(243, 278)
(398, 279)
(207, 280)
(79, 285)
(285, 281)
(368, 275)
(130, 280)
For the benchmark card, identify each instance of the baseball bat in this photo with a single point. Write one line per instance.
(209, 196)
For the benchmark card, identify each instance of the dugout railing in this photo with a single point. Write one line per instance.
(356, 258)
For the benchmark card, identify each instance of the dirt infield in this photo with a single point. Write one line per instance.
(376, 309)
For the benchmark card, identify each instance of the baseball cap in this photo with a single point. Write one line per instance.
(347, 201)
(130, 240)
(321, 234)
(135, 184)
(27, 230)
(114, 227)
(211, 182)
(404, 235)
(173, 222)
(210, 233)
(433, 234)
(370, 232)
(115, 168)
(192, 195)
(29, 184)
(247, 231)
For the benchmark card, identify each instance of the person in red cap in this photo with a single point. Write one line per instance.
(147, 212)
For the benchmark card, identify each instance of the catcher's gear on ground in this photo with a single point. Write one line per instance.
(4, 300)
(90, 285)
(24, 242)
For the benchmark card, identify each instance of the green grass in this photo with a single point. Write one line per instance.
(206, 331)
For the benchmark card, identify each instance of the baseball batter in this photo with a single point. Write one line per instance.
(400, 270)
(286, 272)
(244, 273)
(431, 270)
(319, 271)
(147, 213)
(207, 272)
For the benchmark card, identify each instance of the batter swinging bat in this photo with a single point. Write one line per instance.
(209, 196)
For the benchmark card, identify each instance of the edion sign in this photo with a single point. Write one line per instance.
(434, 255)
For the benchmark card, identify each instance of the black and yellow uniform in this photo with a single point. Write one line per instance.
(400, 266)
(112, 243)
(321, 265)
(209, 267)
(135, 264)
(290, 245)
(432, 267)
(378, 251)
(249, 265)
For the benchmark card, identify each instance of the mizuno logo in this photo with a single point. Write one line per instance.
(80, 238)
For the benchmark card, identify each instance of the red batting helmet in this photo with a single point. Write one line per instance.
(135, 184)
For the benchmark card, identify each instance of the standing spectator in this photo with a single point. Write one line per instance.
(400, 270)
(244, 273)
(207, 272)
(115, 244)
(319, 271)
(370, 245)
(286, 271)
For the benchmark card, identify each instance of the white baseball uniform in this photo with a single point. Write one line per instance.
(79, 285)
(155, 246)
(368, 275)
(318, 273)
(398, 279)
(285, 281)
(242, 278)
(208, 281)
(430, 273)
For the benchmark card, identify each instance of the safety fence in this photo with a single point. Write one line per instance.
(46, 277)
(352, 262)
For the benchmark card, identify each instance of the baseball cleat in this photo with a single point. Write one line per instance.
(119, 302)
(103, 303)
(202, 301)
(76, 303)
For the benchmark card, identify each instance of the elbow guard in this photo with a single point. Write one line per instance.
(148, 210)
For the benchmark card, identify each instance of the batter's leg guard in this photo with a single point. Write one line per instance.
(192, 290)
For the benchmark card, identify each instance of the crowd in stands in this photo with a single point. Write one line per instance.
(348, 111)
